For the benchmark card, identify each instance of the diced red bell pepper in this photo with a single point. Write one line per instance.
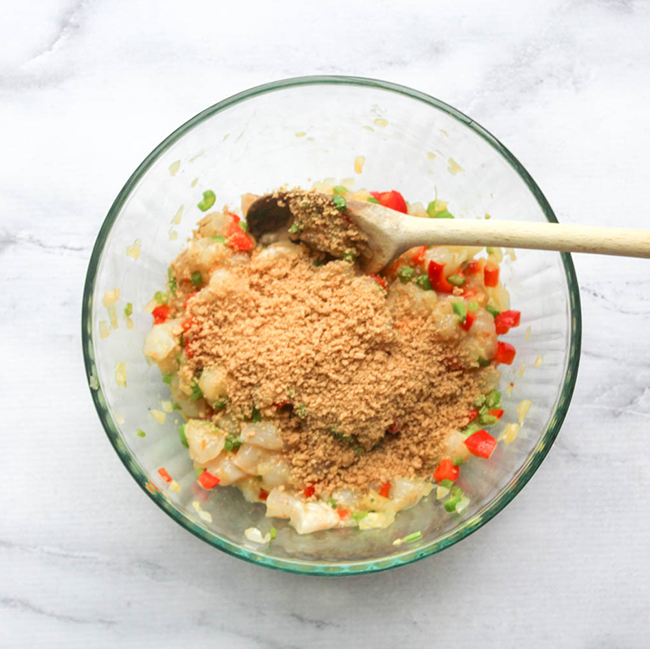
(505, 353)
(384, 490)
(188, 350)
(188, 323)
(343, 513)
(438, 279)
(497, 412)
(381, 281)
(418, 255)
(472, 414)
(473, 267)
(309, 491)
(164, 475)
(469, 293)
(280, 404)
(235, 218)
(392, 199)
(208, 481)
(263, 494)
(446, 470)
(505, 320)
(160, 314)
(481, 444)
(491, 274)
(237, 238)
(469, 321)
(188, 298)
(393, 428)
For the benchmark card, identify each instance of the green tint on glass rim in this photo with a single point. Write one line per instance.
(406, 555)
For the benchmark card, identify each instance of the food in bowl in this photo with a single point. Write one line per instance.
(333, 397)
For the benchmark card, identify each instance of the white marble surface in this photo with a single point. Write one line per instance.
(87, 89)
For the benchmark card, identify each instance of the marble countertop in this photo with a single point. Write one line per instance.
(87, 89)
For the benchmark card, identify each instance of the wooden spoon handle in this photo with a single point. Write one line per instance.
(522, 234)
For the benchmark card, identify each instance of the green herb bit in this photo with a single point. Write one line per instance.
(435, 213)
(176, 406)
(218, 239)
(406, 274)
(445, 214)
(128, 309)
(197, 278)
(296, 227)
(332, 503)
(182, 437)
(479, 400)
(457, 280)
(349, 256)
(473, 307)
(482, 362)
(423, 282)
(456, 491)
(492, 311)
(357, 516)
(488, 420)
(493, 399)
(490, 251)
(181, 344)
(340, 189)
(167, 378)
(171, 281)
(232, 442)
(160, 297)
(220, 404)
(301, 411)
(471, 429)
(339, 202)
(460, 310)
(273, 532)
(447, 484)
(457, 460)
(256, 416)
(415, 536)
(359, 450)
(208, 201)
(140, 433)
(372, 199)
(243, 225)
(450, 503)
(196, 391)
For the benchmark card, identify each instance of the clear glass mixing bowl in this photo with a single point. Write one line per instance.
(294, 132)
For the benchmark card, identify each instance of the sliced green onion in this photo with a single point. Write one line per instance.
(457, 280)
(273, 532)
(196, 391)
(243, 225)
(415, 536)
(256, 416)
(492, 311)
(140, 433)
(171, 281)
(160, 297)
(482, 362)
(473, 307)
(447, 484)
(434, 213)
(357, 516)
(197, 278)
(406, 274)
(232, 443)
(218, 239)
(450, 503)
(461, 506)
(176, 406)
(349, 256)
(181, 435)
(479, 400)
(332, 503)
(167, 378)
(457, 460)
(221, 403)
(423, 282)
(301, 411)
(460, 310)
(340, 189)
(295, 227)
(339, 202)
(471, 429)
(208, 201)
(490, 251)
(488, 420)
(128, 309)
(493, 399)
(456, 491)
(372, 199)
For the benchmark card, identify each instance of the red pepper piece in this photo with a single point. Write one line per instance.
(505, 353)
(309, 491)
(208, 481)
(438, 279)
(472, 414)
(343, 513)
(384, 490)
(164, 475)
(263, 494)
(497, 412)
(481, 444)
(473, 267)
(188, 324)
(469, 321)
(446, 470)
(418, 255)
(237, 238)
(392, 199)
(188, 298)
(505, 320)
(160, 314)
(381, 281)
(491, 274)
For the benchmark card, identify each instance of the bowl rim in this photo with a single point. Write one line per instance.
(324, 568)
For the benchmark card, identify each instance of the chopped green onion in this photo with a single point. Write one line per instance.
(256, 416)
(181, 343)
(406, 274)
(232, 443)
(181, 435)
(160, 297)
(295, 227)
(462, 505)
(243, 225)
(140, 433)
(176, 406)
(273, 532)
(171, 281)
(339, 202)
(416, 536)
(457, 280)
(372, 199)
(218, 239)
(357, 516)
(167, 378)
(473, 307)
(493, 399)
(221, 403)
(197, 278)
(423, 282)
(445, 214)
(482, 362)
(208, 201)
(349, 256)
(447, 484)
(457, 460)
(434, 213)
(460, 310)
(128, 309)
(450, 503)
(456, 491)
(332, 503)
(479, 400)
(301, 411)
(196, 391)
(492, 311)
(471, 429)
(488, 420)
(339, 189)
(490, 251)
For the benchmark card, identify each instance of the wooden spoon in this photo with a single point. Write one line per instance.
(392, 233)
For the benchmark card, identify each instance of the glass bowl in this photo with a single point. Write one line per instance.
(294, 132)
